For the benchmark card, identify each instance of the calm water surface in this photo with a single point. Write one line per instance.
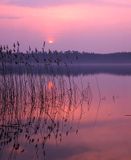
(65, 118)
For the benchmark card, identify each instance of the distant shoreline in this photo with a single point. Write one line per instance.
(68, 57)
(70, 62)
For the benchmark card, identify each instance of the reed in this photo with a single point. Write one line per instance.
(36, 108)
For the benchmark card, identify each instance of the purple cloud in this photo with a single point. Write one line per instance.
(46, 3)
(10, 17)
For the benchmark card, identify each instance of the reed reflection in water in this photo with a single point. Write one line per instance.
(37, 109)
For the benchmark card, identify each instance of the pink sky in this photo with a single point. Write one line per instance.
(86, 25)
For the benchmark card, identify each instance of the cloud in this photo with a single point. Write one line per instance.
(47, 3)
(115, 3)
(39, 3)
(10, 17)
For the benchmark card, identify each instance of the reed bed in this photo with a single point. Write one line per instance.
(36, 108)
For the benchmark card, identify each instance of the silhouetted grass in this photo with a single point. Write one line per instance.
(35, 108)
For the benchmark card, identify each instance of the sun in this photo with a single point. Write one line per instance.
(50, 41)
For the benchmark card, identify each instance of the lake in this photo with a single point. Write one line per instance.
(65, 117)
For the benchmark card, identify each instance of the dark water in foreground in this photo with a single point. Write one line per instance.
(65, 118)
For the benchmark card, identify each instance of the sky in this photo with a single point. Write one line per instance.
(101, 26)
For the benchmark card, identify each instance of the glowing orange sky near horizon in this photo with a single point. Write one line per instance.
(100, 28)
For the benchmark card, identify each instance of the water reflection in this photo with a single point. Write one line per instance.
(65, 117)
(37, 109)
